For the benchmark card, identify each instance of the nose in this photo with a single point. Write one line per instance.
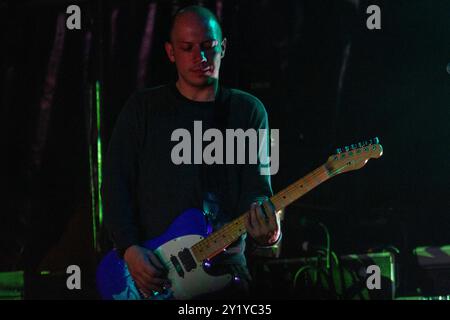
(199, 55)
(203, 56)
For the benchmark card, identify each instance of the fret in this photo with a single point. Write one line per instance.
(222, 238)
(336, 164)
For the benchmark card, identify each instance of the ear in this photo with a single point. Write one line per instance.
(169, 51)
(223, 47)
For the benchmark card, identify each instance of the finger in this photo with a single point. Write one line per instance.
(259, 230)
(150, 277)
(142, 279)
(149, 270)
(252, 216)
(258, 217)
(145, 278)
(153, 283)
(247, 222)
(269, 211)
(160, 286)
(155, 260)
(261, 216)
(146, 295)
(143, 287)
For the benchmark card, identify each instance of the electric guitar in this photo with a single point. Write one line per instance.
(187, 246)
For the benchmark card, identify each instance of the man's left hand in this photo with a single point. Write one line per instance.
(263, 228)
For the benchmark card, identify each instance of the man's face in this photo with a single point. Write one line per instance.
(196, 48)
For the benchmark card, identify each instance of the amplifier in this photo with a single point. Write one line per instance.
(11, 285)
(346, 277)
(426, 298)
(434, 269)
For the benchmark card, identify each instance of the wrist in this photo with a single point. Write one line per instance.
(270, 244)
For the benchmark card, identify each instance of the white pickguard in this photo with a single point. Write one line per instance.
(193, 283)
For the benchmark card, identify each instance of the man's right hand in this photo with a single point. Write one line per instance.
(146, 270)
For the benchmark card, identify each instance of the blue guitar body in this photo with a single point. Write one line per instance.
(188, 276)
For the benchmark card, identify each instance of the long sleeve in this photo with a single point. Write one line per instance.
(119, 180)
(256, 186)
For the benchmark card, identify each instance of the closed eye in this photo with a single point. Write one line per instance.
(186, 48)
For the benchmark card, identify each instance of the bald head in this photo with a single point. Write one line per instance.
(197, 17)
(196, 47)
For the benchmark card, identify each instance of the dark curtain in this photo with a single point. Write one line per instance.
(326, 81)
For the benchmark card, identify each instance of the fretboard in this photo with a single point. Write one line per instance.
(221, 239)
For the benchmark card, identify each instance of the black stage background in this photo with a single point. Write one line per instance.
(325, 79)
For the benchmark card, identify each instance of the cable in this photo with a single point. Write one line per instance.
(328, 239)
(299, 271)
(319, 269)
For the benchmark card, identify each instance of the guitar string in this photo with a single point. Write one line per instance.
(317, 173)
(288, 190)
(313, 176)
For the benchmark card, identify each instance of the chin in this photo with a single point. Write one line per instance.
(202, 82)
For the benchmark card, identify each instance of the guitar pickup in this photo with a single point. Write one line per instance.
(187, 260)
(177, 266)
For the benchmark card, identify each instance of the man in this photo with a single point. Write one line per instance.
(144, 190)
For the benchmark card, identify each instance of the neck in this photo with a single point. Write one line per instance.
(203, 94)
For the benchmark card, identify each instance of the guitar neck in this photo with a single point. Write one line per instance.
(219, 240)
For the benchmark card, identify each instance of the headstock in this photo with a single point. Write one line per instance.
(354, 157)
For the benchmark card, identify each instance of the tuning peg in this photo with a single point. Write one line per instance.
(347, 149)
(360, 145)
(376, 140)
(353, 146)
(338, 151)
